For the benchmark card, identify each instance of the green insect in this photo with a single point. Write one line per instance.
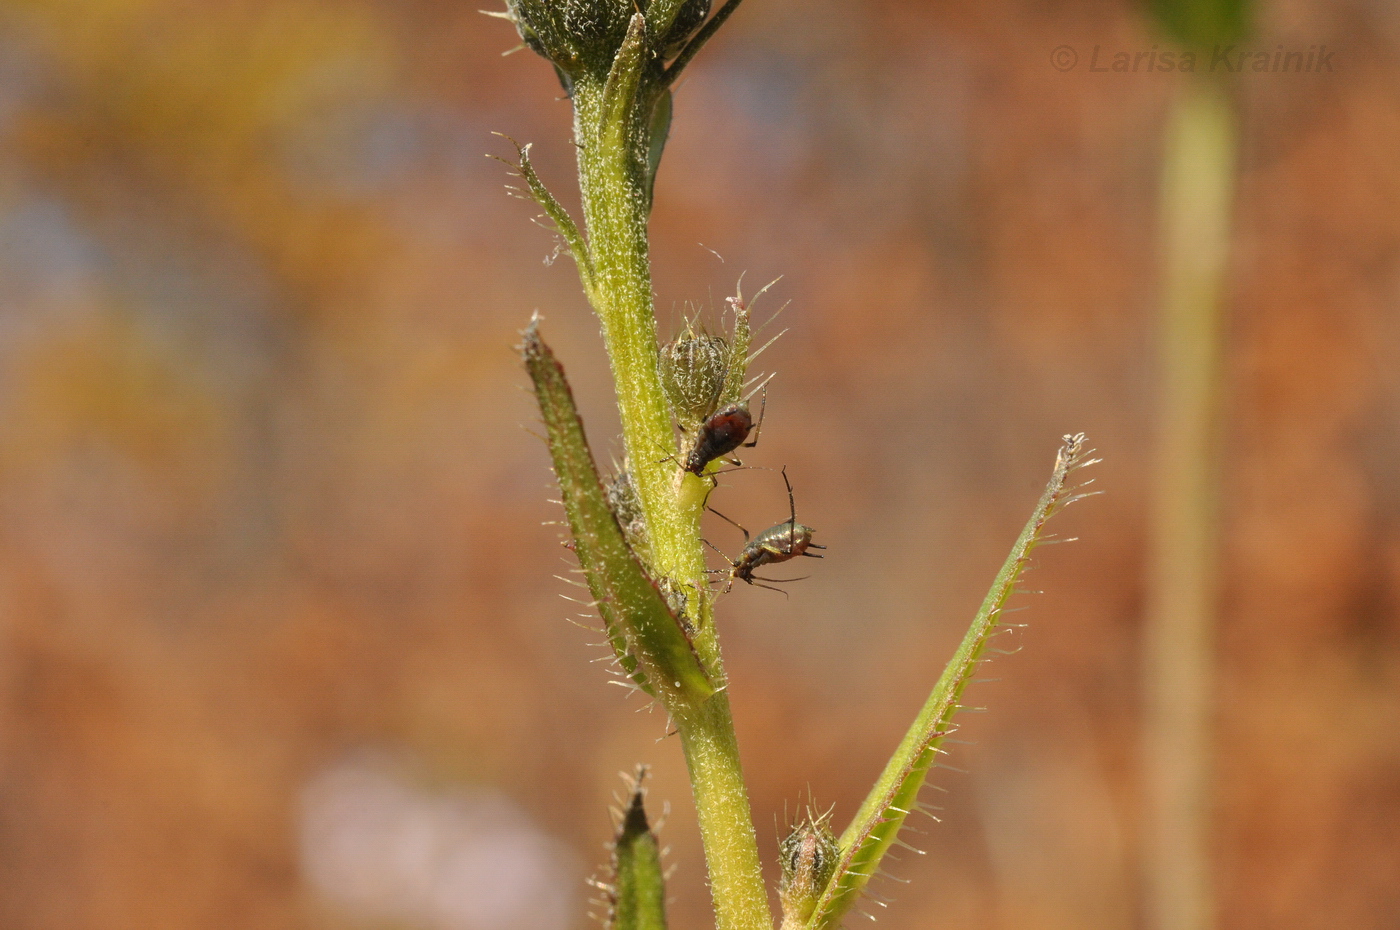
(786, 540)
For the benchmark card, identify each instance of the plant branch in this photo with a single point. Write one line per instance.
(876, 825)
(1198, 167)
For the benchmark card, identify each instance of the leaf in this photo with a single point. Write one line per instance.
(662, 14)
(638, 890)
(620, 91)
(660, 129)
(649, 640)
(741, 340)
(738, 349)
(563, 223)
(876, 825)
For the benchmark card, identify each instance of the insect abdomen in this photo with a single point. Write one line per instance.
(724, 431)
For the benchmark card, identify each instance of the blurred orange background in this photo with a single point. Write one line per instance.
(281, 647)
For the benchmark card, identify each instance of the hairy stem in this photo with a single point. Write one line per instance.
(726, 825)
(613, 176)
(615, 205)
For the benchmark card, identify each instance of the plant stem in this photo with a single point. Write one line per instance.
(1199, 162)
(615, 206)
(612, 178)
(726, 825)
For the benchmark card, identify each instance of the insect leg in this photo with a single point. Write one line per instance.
(719, 550)
(738, 466)
(734, 573)
(727, 520)
(762, 409)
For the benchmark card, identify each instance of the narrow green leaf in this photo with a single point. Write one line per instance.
(876, 825)
(660, 129)
(661, 14)
(638, 891)
(620, 91)
(563, 223)
(650, 641)
(740, 342)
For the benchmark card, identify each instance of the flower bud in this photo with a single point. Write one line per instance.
(692, 13)
(693, 369)
(574, 34)
(636, 896)
(808, 858)
(579, 34)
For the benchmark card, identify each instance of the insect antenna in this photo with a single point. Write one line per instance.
(771, 588)
(781, 580)
(792, 510)
(725, 471)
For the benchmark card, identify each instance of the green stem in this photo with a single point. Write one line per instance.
(726, 824)
(615, 208)
(612, 175)
(721, 800)
(1198, 166)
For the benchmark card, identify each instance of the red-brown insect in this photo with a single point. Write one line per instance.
(722, 432)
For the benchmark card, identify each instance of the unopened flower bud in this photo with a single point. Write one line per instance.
(692, 13)
(693, 369)
(574, 34)
(577, 34)
(808, 858)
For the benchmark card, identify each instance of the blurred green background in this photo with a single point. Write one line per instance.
(279, 645)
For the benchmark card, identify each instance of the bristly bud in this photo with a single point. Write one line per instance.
(808, 858)
(693, 369)
(580, 35)
(636, 896)
(692, 14)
